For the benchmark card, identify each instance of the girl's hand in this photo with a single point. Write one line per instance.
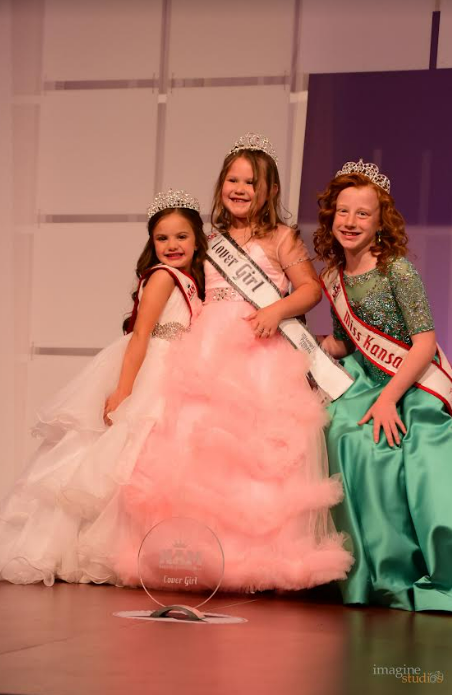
(265, 322)
(383, 411)
(384, 414)
(113, 401)
(335, 348)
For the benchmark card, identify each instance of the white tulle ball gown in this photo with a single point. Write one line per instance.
(82, 464)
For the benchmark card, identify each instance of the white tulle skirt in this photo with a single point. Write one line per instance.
(79, 467)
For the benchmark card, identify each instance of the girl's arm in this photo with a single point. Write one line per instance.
(155, 295)
(384, 411)
(337, 344)
(307, 293)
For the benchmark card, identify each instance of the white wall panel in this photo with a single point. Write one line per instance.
(82, 278)
(445, 35)
(97, 151)
(203, 124)
(104, 39)
(7, 266)
(27, 45)
(364, 35)
(230, 39)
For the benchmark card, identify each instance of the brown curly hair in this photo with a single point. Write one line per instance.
(393, 239)
(261, 220)
(148, 257)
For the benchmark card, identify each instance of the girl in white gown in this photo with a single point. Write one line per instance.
(94, 428)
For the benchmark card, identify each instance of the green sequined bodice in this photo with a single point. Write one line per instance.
(395, 303)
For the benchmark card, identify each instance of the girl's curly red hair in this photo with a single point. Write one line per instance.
(393, 239)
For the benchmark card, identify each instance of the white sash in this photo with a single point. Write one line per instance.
(244, 275)
(385, 352)
(185, 283)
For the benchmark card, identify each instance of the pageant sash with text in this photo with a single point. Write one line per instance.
(383, 350)
(185, 283)
(245, 276)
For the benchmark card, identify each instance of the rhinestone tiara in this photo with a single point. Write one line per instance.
(367, 169)
(173, 199)
(253, 141)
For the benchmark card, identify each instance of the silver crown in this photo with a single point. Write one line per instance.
(173, 199)
(367, 169)
(253, 141)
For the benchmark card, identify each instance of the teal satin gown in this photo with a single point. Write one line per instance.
(397, 508)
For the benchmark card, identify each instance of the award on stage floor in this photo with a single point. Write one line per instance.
(183, 556)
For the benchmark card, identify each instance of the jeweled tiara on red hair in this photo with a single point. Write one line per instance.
(367, 169)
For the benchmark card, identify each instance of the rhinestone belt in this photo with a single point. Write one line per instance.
(218, 294)
(169, 331)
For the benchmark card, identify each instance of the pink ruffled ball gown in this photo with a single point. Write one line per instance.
(240, 447)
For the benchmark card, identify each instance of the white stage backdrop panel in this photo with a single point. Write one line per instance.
(82, 279)
(445, 35)
(230, 39)
(97, 151)
(364, 35)
(105, 39)
(203, 124)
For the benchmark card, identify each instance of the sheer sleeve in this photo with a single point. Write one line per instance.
(290, 249)
(410, 295)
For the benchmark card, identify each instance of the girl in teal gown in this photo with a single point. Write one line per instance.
(390, 440)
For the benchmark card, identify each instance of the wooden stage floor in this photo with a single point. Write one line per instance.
(65, 640)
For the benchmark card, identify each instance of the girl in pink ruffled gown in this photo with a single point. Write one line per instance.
(240, 446)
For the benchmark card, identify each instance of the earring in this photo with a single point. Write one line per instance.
(379, 236)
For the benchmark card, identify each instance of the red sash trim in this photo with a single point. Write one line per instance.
(187, 294)
(177, 280)
(395, 341)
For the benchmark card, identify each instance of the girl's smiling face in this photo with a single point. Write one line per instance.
(357, 219)
(238, 190)
(174, 241)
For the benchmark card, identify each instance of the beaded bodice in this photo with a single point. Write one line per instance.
(395, 303)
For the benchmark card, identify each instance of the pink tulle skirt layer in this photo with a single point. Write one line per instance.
(240, 448)
(220, 427)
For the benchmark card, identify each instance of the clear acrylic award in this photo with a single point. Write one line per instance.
(183, 556)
